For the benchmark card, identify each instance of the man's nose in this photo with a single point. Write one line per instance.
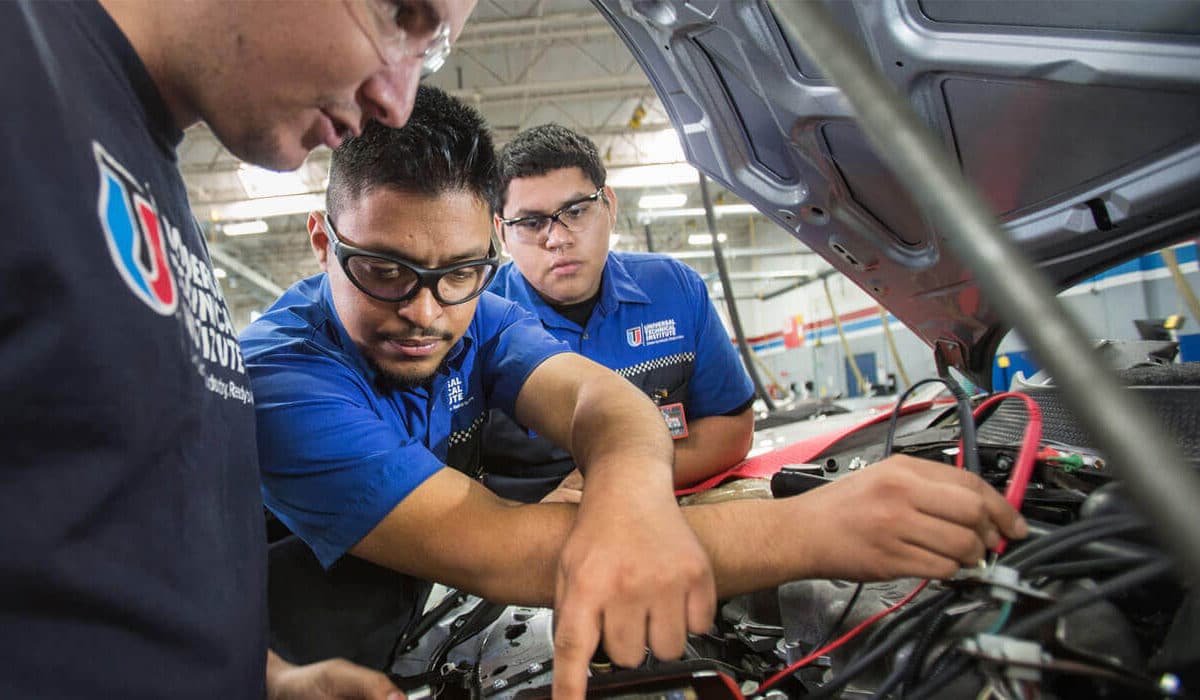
(387, 96)
(558, 235)
(422, 310)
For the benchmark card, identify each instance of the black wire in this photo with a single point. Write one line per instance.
(1037, 542)
(901, 628)
(912, 669)
(1073, 601)
(965, 420)
(1022, 560)
(1085, 567)
(481, 616)
(423, 624)
(841, 618)
(891, 682)
(954, 662)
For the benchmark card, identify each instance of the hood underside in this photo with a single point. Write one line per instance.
(1078, 122)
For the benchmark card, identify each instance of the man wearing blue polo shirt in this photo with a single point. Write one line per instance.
(372, 378)
(646, 316)
(371, 381)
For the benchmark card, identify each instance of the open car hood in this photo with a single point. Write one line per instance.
(1079, 123)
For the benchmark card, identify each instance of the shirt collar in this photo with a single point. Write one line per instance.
(617, 287)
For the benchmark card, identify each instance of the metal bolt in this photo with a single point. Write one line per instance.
(500, 684)
(535, 667)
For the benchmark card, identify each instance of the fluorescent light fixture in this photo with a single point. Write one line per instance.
(259, 182)
(220, 273)
(705, 238)
(659, 175)
(673, 200)
(265, 208)
(245, 228)
(695, 212)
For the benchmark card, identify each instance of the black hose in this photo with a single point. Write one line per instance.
(1085, 567)
(1023, 560)
(965, 420)
(954, 662)
(912, 669)
(1073, 601)
(901, 627)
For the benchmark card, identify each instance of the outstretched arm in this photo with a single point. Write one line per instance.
(631, 571)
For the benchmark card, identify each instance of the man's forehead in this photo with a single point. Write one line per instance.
(421, 228)
(553, 187)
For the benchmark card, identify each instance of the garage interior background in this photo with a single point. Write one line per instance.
(524, 63)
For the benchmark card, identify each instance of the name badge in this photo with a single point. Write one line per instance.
(676, 420)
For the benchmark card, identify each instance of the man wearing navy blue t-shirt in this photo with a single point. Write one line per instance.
(646, 316)
(132, 560)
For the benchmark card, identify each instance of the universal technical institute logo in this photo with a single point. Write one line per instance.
(633, 336)
(135, 235)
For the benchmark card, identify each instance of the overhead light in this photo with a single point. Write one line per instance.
(662, 201)
(220, 273)
(656, 175)
(265, 208)
(705, 238)
(245, 228)
(718, 211)
(259, 182)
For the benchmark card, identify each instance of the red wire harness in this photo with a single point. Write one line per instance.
(1030, 440)
(1014, 494)
(840, 640)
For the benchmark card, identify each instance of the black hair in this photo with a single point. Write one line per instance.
(543, 149)
(445, 147)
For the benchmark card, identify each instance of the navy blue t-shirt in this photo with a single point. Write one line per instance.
(132, 546)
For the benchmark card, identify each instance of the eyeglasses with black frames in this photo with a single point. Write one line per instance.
(575, 216)
(391, 279)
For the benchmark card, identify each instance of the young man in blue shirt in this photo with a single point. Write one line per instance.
(372, 378)
(646, 316)
(133, 563)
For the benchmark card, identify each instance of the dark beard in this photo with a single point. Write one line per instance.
(389, 382)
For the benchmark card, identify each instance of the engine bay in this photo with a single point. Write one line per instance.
(1088, 606)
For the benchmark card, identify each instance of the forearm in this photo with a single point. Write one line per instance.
(454, 531)
(713, 444)
(753, 544)
(618, 436)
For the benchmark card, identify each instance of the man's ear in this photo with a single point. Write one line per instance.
(318, 238)
(611, 196)
(499, 229)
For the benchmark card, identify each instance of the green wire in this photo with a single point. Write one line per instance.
(1005, 611)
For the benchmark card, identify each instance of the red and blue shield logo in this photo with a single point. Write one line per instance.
(135, 233)
(633, 336)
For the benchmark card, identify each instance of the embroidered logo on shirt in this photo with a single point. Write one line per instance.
(654, 333)
(633, 336)
(456, 394)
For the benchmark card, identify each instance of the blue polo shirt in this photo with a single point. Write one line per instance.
(337, 451)
(655, 325)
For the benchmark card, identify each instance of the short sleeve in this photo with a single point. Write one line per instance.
(333, 463)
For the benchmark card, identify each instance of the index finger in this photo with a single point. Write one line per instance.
(1009, 521)
(576, 634)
